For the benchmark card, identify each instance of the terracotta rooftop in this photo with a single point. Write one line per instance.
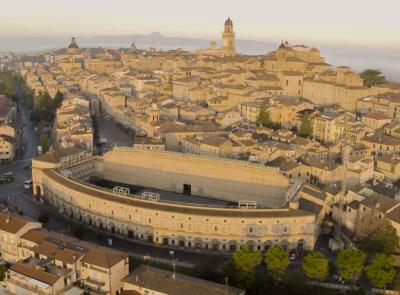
(167, 282)
(12, 223)
(102, 258)
(36, 274)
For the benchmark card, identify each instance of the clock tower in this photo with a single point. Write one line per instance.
(228, 39)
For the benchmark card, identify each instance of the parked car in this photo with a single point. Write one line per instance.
(8, 174)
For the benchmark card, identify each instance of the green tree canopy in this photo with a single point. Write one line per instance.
(315, 266)
(295, 282)
(306, 127)
(377, 235)
(58, 98)
(264, 117)
(277, 261)
(372, 77)
(381, 271)
(7, 85)
(246, 258)
(241, 267)
(44, 110)
(351, 263)
(44, 143)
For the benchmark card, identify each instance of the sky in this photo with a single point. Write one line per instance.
(359, 22)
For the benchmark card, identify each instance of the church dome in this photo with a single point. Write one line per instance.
(282, 46)
(73, 44)
(229, 22)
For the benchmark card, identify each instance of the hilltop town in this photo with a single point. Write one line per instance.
(208, 151)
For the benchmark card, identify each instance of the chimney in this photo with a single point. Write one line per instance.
(7, 219)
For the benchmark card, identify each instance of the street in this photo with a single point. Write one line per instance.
(114, 135)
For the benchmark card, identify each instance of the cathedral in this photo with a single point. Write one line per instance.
(73, 48)
(227, 42)
(73, 59)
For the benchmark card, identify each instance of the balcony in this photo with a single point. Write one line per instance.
(94, 282)
(93, 286)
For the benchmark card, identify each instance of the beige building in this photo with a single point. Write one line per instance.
(173, 134)
(330, 128)
(102, 271)
(7, 148)
(381, 144)
(51, 263)
(227, 43)
(151, 217)
(386, 103)
(389, 166)
(12, 227)
(374, 121)
(73, 59)
(214, 146)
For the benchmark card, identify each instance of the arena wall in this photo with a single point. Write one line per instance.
(224, 179)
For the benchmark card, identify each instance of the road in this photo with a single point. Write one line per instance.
(20, 168)
(114, 134)
(15, 194)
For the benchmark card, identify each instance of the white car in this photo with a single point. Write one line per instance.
(293, 256)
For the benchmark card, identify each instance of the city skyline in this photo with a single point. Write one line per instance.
(330, 23)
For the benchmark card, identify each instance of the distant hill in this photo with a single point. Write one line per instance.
(163, 42)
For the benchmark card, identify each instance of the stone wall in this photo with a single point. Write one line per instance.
(224, 179)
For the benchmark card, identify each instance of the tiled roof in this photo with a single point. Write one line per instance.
(167, 282)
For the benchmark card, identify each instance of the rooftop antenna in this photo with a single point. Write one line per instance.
(345, 143)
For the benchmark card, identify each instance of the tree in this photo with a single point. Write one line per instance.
(43, 218)
(306, 127)
(44, 110)
(246, 258)
(315, 265)
(381, 271)
(372, 77)
(3, 270)
(376, 235)
(241, 267)
(351, 263)
(263, 117)
(277, 260)
(44, 143)
(79, 231)
(295, 282)
(58, 98)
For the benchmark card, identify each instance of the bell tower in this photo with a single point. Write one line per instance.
(228, 39)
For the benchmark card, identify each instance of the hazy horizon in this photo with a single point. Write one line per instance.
(358, 57)
(354, 22)
(356, 33)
